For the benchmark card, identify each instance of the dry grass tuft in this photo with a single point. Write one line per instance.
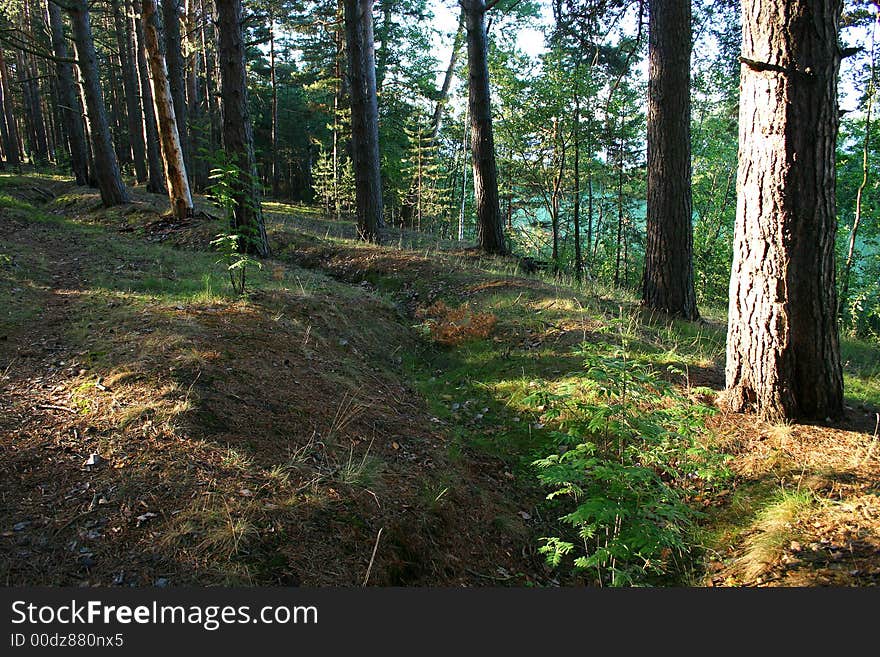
(453, 326)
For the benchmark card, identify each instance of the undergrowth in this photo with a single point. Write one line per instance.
(628, 459)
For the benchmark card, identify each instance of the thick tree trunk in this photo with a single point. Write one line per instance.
(668, 283)
(172, 154)
(171, 13)
(155, 171)
(71, 112)
(134, 113)
(783, 355)
(106, 167)
(12, 150)
(364, 118)
(238, 139)
(490, 226)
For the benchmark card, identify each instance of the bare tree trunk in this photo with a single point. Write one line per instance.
(275, 172)
(13, 152)
(447, 79)
(106, 167)
(172, 154)
(129, 84)
(134, 113)
(490, 221)
(857, 218)
(668, 282)
(34, 119)
(197, 165)
(212, 75)
(783, 354)
(155, 170)
(364, 118)
(238, 139)
(578, 256)
(556, 192)
(171, 13)
(71, 112)
(118, 113)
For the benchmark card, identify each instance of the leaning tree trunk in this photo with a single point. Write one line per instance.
(668, 282)
(238, 138)
(490, 223)
(106, 166)
(364, 117)
(71, 112)
(443, 97)
(783, 354)
(172, 154)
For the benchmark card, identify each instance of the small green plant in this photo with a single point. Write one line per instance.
(233, 245)
(628, 458)
(237, 263)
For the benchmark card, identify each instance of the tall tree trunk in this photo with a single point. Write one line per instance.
(212, 107)
(13, 153)
(87, 128)
(172, 154)
(4, 131)
(34, 119)
(860, 194)
(155, 171)
(578, 256)
(129, 83)
(197, 165)
(71, 112)
(783, 354)
(171, 13)
(668, 282)
(364, 118)
(276, 175)
(106, 167)
(238, 139)
(490, 222)
(116, 103)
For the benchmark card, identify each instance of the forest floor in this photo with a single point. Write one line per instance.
(363, 414)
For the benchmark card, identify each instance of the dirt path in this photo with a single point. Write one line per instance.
(238, 443)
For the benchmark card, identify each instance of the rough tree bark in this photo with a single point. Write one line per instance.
(155, 172)
(71, 112)
(364, 118)
(106, 166)
(668, 282)
(490, 222)
(783, 354)
(238, 138)
(172, 154)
